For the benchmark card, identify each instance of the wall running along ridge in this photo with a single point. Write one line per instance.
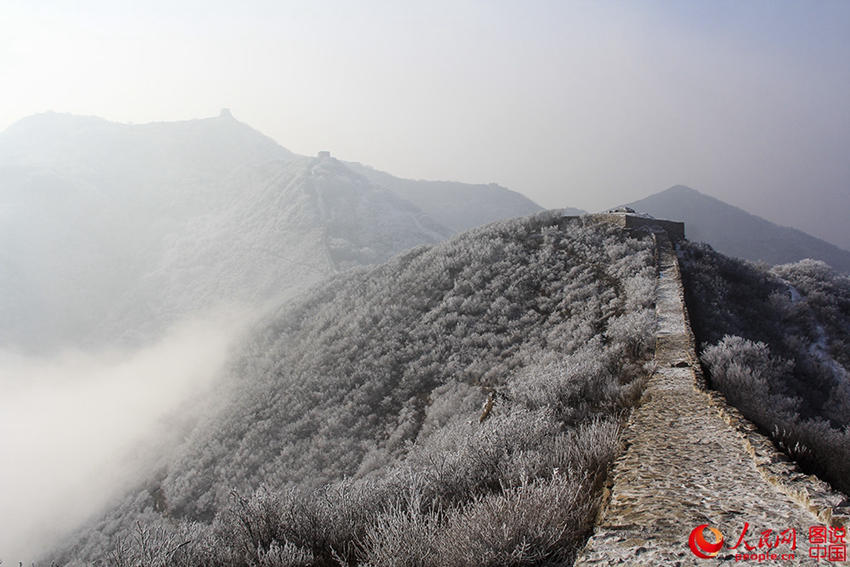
(689, 458)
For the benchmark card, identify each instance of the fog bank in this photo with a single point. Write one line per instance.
(73, 424)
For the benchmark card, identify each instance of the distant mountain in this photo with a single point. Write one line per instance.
(136, 155)
(735, 232)
(109, 232)
(458, 206)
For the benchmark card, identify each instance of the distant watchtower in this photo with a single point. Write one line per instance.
(324, 154)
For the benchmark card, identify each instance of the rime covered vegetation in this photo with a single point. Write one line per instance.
(776, 343)
(354, 431)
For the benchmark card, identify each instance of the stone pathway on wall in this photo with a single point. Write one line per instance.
(684, 464)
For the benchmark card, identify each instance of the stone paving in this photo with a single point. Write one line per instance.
(689, 459)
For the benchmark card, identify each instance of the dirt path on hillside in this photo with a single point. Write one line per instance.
(683, 466)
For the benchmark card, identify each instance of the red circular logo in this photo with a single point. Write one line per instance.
(700, 546)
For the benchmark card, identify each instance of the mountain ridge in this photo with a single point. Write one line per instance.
(737, 232)
(149, 220)
(154, 221)
(369, 387)
(458, 206)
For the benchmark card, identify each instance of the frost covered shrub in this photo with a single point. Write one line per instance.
(594, 446)
(576, 387)
(751, 378)
(465, 459)
(460, 463)
(539, 522)
(286, 555)
(329, 521)
(450, 403)
(539, 514)
(294, 527)
(827, 294)
(536, 522)
(404, 535)
(822, 447)
(633, 331)
(374, 380)
(148, 545)
(774, 342)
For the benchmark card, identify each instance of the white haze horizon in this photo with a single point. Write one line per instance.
(578, 104)
(78, 425)
(732, 201)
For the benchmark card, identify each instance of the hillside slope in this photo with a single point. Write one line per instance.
(111, 232)
(733, 477)
(775, 343)
(458, 206)
(735, 232)
(378, 375)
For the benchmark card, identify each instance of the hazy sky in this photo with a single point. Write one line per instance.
(586, 104)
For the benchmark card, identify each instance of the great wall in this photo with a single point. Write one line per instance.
(690, 459)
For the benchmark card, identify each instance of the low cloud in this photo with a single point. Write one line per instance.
(71, 426)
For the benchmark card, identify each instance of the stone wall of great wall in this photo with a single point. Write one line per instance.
(689, 458)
